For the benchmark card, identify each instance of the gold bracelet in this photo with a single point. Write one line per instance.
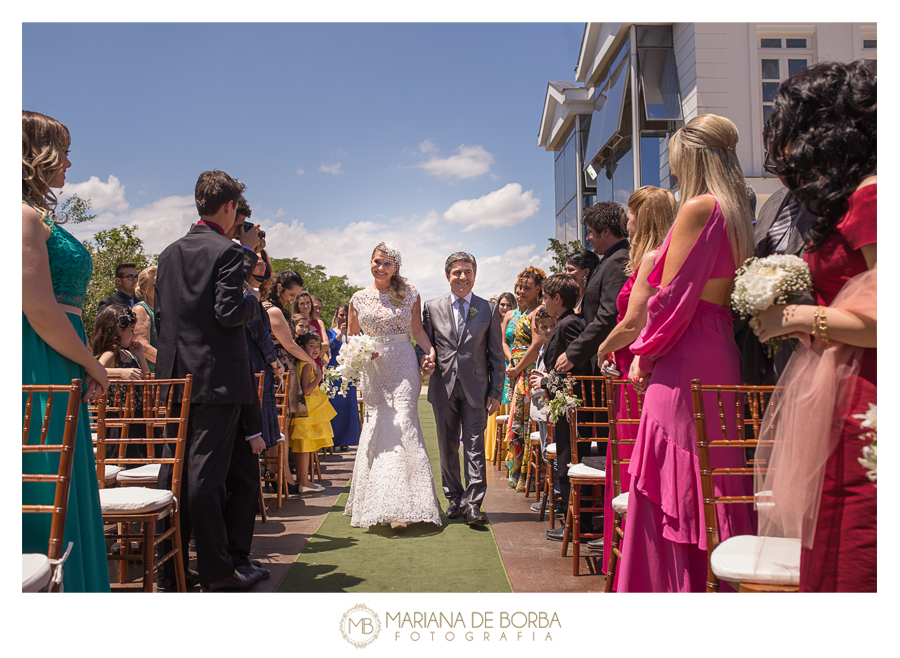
(820, 325)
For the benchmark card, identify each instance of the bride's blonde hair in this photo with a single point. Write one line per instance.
(398, 290)
(702, 158)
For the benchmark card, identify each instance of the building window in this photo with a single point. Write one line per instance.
(870, 43)
(780, 57)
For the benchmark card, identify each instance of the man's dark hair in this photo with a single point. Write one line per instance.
(565, 285)
(213, 190)
(606, 215)
(120, 269)
(243, 208)
(460, 257)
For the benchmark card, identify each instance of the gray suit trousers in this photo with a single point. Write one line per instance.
(455, 417)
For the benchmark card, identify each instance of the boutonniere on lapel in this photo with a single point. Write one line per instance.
(472, 313)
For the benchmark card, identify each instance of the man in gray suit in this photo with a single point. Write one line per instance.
(466, 384)
(780, 229)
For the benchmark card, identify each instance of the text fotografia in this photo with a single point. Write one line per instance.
(478, 626)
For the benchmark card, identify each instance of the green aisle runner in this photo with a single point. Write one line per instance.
(421, 558)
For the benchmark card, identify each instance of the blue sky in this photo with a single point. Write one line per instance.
(345, 134)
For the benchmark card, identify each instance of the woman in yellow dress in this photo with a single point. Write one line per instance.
(311, 432)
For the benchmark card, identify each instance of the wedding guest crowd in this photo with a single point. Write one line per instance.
(649, 302)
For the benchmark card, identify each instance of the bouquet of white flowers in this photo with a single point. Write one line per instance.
(352, 358)
(870, 453)
(763, 282)
(561, 398)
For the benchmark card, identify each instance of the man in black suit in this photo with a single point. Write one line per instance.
(126, 281)
(200, 314)
(605, 222)
(560, 296)
(780, 229)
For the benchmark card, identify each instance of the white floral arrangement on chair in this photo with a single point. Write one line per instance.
(561, 398)
(762, 282)
(352, 358)
(869, 459)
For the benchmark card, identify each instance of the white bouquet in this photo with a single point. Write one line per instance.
(763, 282)
(560, 395)
(352, 358)
(870, 453)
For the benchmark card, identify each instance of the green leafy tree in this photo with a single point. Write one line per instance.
(332, 290)
(560, 250)
(108, 249)
(75, 210)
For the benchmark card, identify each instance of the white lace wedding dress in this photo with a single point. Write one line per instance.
(392, 479)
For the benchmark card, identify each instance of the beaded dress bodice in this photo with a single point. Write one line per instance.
(377, 314)
(70, 266)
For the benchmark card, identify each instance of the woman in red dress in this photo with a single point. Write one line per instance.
(822, 140)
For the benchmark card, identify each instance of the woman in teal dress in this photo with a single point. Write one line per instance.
(56, 269)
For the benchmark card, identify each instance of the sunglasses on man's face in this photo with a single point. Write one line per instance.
(768, 166)
(126, 320)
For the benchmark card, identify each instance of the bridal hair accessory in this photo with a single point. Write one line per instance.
(389, 250)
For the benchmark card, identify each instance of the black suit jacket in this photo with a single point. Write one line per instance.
(120, 299)
(598, 307)
(200, 316)
(569, 326)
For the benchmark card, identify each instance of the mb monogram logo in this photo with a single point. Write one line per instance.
(360, 626)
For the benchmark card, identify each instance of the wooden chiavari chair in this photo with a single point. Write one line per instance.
(500, 440)
(273, 458)
(633, 401)
(549, 464)
(45, 572)
(585, 472)
(755, 564)
(145, 505)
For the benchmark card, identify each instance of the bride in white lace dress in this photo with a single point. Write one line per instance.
(392, 480)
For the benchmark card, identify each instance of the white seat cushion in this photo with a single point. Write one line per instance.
(146, 472)
(551, 451)
(582, 471)
(620, 503)
(535, 436)
(35, 572)
(110, 472)
(502, 419)
(133, 500)
(747, 558)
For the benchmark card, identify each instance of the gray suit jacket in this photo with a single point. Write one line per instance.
(476, 361)
(757, 367)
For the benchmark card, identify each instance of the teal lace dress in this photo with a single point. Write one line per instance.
(86, 568)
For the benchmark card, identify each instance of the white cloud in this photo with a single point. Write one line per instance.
(104, 197)
(331, 169)
(498, 273)
(423, 241)
(159, 223)
(468, 162)
(300, 171)
(505, 207)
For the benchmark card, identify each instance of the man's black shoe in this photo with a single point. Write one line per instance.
(236, 582)
(536, 507)
(454, 511)
(191, 578)
(556, 534)
(596, 544)
(474, 517)
(248, 569)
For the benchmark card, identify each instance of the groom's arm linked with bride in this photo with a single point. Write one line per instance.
(466, 383)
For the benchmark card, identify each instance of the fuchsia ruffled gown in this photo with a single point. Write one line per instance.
(685, 338)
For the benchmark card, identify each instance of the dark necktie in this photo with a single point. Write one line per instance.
(776, 238)
(461, 322)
